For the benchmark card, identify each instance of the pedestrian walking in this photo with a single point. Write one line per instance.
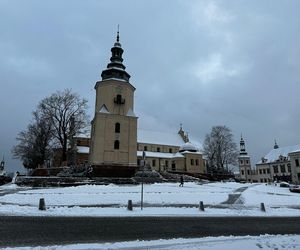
(181, 181)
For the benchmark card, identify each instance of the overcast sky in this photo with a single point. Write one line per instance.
(200, 63)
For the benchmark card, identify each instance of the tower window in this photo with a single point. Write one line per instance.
(192, 161)
(297, 162)
(117, 127)
(196, 162)
(117, 144)
(158, 149)
(119, 100)
(145, 148)
(170, 150)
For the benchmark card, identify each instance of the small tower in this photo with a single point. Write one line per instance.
(113, 146)
(275, 145)
(244, 162)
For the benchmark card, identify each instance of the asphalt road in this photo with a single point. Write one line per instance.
(35, 231)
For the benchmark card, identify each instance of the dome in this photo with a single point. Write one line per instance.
(188, 147)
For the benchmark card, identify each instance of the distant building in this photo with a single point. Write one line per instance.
(280, 164)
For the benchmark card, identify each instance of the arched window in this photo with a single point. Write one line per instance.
(117, 144)
(117, 127)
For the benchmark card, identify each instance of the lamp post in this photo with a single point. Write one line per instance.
(142, 191)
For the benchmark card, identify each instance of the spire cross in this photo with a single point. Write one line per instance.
(118, 38)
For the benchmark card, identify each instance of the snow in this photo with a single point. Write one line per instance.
(161, 199)
(188, 146)
(158, 154)
(104, 109)
(160, 138)
(83, 150)
(114, 78)
(274, 154)
(206, 243)
(131, 113)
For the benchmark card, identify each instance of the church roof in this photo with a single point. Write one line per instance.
(159, 155)
(274, 154)
(160, 138)
(154, 137)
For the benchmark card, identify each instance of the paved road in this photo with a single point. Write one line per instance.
(33, 231)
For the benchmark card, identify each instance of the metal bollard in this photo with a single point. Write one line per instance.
(129, 205)
(201, 206)
(42, 205)
(262, 207)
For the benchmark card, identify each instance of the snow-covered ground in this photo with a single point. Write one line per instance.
(160, 200)
(207, 243)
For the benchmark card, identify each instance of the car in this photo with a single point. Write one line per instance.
(284, 184)
(295, 189)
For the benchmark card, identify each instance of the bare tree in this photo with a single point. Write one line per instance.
(219, 148)
(66, 112)
(34, 142)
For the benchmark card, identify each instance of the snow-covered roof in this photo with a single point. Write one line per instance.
(104, 109)
(243, 156)
(131, 113)
(274, 154)
(188, 146)
(84, 134)
(189, 152)
(83, 150)
(154, 137)
(161, 138)
(159, 154)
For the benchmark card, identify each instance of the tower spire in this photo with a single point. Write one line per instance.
(116, 69)
(118, 33)
(242, 146)
(275, 145)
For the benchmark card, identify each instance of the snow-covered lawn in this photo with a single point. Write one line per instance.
(216, 243)
(160, 200)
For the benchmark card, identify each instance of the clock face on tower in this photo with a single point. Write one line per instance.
(118, 90)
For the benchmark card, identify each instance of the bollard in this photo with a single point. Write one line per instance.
(201, 206)
(129, 205)
(42, 205)
(262, 207)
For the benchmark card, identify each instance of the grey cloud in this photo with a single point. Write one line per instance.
(250, 48)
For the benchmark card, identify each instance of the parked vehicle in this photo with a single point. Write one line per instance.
(295, 189)
(284, 184)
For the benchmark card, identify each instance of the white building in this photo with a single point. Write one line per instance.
(280, 164)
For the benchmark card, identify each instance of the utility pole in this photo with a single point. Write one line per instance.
(143, 167)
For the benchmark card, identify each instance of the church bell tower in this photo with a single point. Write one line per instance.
(244, 163)
(113, 146)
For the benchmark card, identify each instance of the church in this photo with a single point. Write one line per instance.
(115, 145)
